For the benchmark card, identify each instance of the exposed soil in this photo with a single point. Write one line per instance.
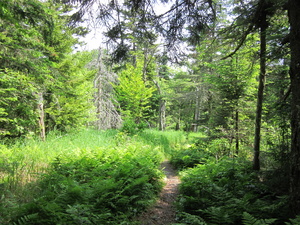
(164, 212)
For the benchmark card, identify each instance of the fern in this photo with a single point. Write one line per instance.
(24, 220)
(186, 218)
(295, 221)
(248, 219)
(218, 215)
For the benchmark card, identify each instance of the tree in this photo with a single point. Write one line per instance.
(34, 42)
(22, 59)
(162, 107)
(107, 114)
(133, 92)
(294, 38)
(263, 25)
(69, 99)
(258, 15)
(195, 15)
(183, 20)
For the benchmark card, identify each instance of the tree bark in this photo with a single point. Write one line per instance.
(237, 132)
(162, 108)
(294, 19)
(197, 111)
(40, 108)
(261, 86)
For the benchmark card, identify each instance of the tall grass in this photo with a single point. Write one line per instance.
(168, 141)
(25, 161)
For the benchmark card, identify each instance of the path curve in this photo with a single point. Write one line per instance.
(164, 211)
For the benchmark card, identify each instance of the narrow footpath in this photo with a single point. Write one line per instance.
(164, 212)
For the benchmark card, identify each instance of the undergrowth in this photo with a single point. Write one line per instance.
(217, 188)
(84, 177)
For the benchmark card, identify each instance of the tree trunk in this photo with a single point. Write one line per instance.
(162, 114)
(106, 112)
(261, 86)
(237, 139)
(162, 108)
(197, 111)
(294, 19)
(177, 127)
(40, 108)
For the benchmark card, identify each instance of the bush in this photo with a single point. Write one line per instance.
(189, 157)
(131, 127)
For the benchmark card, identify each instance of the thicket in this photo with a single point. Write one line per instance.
(86, 177)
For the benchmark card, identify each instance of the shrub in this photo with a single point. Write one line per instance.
(189, 157)
(131, 127)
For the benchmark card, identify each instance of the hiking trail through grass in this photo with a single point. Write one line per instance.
(164, 211)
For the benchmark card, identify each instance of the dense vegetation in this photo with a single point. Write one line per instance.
(195, 67)
(217, 189)
(86, 177)
(109, 177)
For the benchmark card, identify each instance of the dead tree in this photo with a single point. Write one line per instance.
(107, 114)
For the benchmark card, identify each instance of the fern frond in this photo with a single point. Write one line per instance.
(295, 221)
(186, 218)
(218, 215)
(248, 219)
(24, 220)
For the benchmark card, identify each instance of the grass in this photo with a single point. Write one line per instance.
(23, 160)
(26, 163)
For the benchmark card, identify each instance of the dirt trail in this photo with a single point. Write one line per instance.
(164, 212)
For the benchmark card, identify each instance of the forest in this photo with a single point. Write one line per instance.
(211, 86)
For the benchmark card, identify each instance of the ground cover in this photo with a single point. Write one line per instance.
(217, 188)
(86, 177)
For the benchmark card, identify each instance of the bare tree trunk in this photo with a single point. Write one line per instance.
(262, 77)
(294, 19)
(197, 111)
(162, 108)
(162, 115)
(40, 108)
(107, 115)
(237, 132)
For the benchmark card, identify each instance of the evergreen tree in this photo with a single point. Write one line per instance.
(133, 92)
(35, 40)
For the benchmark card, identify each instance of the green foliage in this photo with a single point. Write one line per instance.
(294, 221)
(82, 177)
(17, 114)
(229, 86)
(248, 219)
(134, 92)
(219, 148)
(35, 40)
(129, 126)
(221, 192)
(180, 94)
(189, 157)
(203, 151)
(26, 219)
(69, 99)
(101, 189)
(186, 218)
(167, 140)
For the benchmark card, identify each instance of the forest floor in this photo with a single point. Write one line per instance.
(164, 211)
